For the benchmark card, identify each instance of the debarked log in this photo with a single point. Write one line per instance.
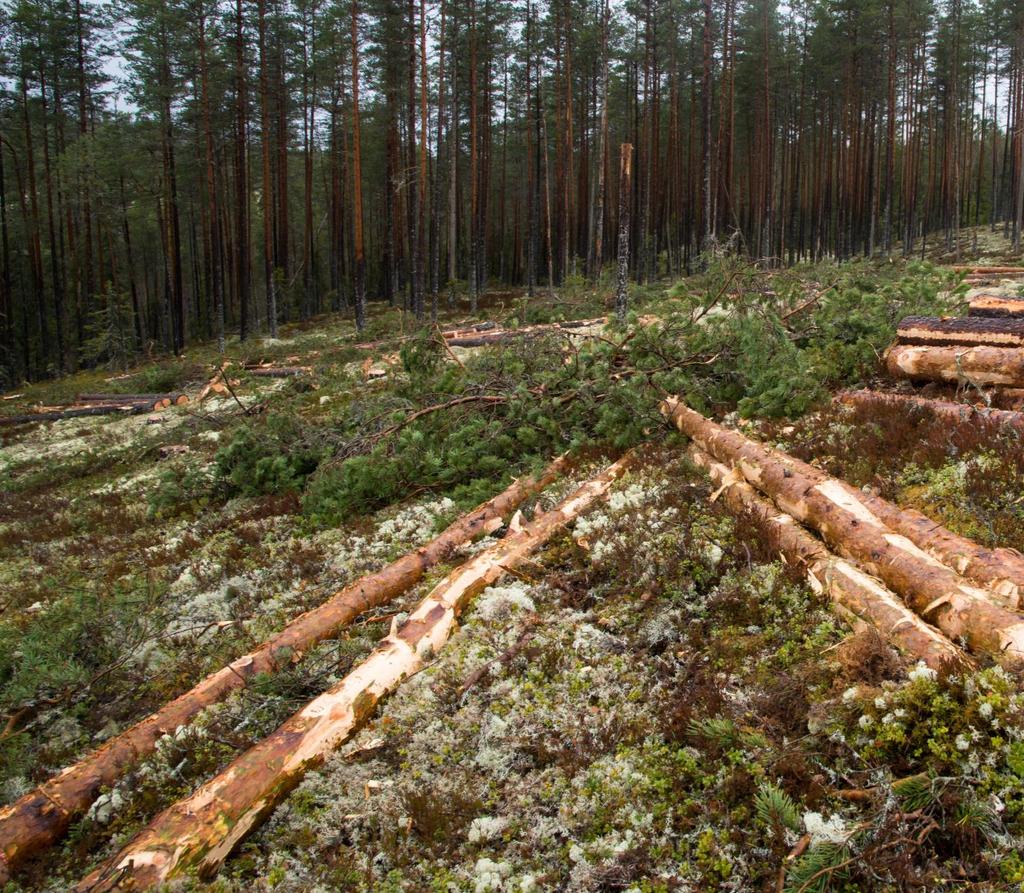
(500, 335)
(964, 612)
(199, 832)
(970, 268)
(40, 817)
(969, 365)
(844, 583)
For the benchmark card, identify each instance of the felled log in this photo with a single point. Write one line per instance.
(973, 330)
(278, 371)
(74, 412)
(845, 584)
(969, 268)
(499, 335)
(175, 399)
(995, 306)
(214, 383)
(199, 832)
(965, 613)
(1000, 571)
(969, 365)
(39, 818)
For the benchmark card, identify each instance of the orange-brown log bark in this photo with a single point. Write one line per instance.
(39, 818)
(965, 613)
(199, 832)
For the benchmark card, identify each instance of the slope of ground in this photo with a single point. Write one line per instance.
(664, 705)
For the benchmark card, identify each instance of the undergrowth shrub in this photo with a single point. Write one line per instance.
(275, 457)
(732, 343)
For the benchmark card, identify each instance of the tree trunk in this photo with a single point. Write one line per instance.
(241, 179)
(212, 214)
(40, 818)
(625, 199)
(935, 592)
(266, 199)
(198, 833)
(359, 271)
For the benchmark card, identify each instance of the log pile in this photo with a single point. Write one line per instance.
(881, 540)
(983, 349)
(264, 370)
(38, 819)
(496, 336)
(988, 275)
(198, 833)
(97, 405)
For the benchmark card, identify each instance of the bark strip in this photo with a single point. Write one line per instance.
(199, 832)
(854, 591)
(967, 365)
(965, 613)
(41, 817)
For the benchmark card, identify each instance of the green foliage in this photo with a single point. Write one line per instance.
(178, 492)
(272, 460)
(775, 808)
(160, 378)
(110, 331)
(819, 869)
(421, 355)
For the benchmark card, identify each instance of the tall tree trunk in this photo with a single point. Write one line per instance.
(241, 178)
(267, 198)
(359, 260)
(625, 198)
(211, 211)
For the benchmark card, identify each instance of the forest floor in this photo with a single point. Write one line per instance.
(681, 710)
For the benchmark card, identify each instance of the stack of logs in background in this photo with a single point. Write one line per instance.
(984, 349)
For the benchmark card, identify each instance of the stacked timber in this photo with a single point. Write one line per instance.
(988, 275)
(979, 350)
(264, 370)
(482, 334)
(955, 413)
